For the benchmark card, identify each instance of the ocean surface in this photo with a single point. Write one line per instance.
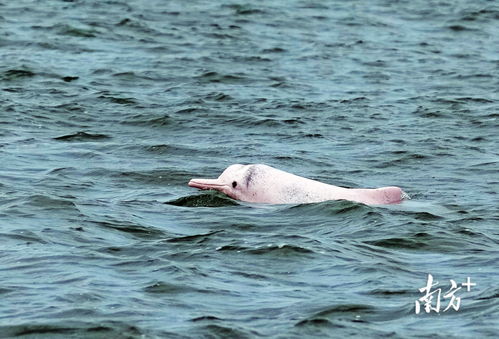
(108, 108)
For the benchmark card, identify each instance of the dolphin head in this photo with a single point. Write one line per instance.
(237, 181)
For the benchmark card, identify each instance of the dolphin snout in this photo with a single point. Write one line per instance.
(206, 184)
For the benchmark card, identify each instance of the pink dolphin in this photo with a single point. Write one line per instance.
(264, 184)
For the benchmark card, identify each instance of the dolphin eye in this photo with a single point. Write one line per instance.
(234, 184)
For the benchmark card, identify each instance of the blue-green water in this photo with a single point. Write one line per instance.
(108, 108)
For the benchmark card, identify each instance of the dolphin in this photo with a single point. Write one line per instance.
(258, 183)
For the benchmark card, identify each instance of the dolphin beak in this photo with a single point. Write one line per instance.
(207, 184)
